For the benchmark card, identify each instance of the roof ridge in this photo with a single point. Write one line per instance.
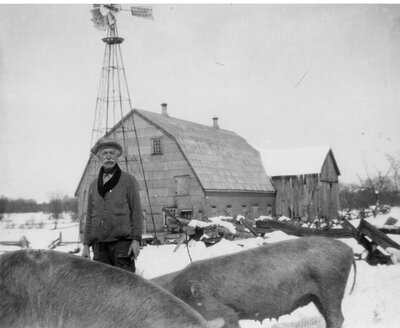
(143, 111)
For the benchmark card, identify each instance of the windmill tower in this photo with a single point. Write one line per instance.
(113, 100)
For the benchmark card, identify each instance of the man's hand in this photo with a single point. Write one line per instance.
(134, 249)
(86, 251)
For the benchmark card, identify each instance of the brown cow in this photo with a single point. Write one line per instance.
(268, 281)
(48, 289)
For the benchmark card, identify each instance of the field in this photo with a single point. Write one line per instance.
(373, 303)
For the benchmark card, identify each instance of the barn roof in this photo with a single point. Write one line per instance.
(221, 159)
(296, 161)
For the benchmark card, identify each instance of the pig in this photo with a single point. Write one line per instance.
(49, 289)
(267, 281)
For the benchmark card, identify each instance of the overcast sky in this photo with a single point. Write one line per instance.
(281, 76)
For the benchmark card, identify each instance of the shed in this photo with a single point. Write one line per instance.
(306, 181)
(194, 170)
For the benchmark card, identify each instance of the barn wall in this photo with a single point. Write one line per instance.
(329, 189)
(296, 195)
(250, 205)
(328, 200)
(328, 171)
(90, 173)
(306, 195)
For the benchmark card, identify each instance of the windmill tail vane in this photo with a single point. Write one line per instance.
(144, 12)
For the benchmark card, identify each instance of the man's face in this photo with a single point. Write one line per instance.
(108, 156)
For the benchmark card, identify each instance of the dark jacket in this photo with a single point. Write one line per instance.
(117, 216)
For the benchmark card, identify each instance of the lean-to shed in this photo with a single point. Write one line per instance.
(306, 181)
(194, 170)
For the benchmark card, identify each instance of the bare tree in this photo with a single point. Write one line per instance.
(377, 185)
(56, 206)
(395, 166)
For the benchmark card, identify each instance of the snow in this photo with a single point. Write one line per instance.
(373, 303)
(218, 220)
(312, 160)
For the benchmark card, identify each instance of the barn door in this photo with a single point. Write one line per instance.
(182, 184)
(254, 211)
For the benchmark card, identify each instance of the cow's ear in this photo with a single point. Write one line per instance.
(194, 290)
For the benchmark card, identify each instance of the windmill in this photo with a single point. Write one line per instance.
(113, 100)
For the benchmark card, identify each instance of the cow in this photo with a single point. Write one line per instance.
(267, 281)
(49, 289)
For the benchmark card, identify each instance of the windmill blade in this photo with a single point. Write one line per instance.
(143, 12)
(98, 18)
(110, 18)
(103, 16)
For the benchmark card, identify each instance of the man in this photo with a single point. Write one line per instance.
(114, 221)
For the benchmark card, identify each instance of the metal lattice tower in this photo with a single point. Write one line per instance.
(113, 99)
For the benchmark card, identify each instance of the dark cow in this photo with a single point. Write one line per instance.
(48, 289)
(268, 281)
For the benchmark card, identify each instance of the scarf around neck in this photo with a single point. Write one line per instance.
(110, 184)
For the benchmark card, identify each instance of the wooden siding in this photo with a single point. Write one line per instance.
(238, 203)
(313, 195)
(296, 195)
(329, 171)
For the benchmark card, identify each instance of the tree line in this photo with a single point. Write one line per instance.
(63, 204)
(382, 188)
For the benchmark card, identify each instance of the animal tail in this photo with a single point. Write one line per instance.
(355, 275)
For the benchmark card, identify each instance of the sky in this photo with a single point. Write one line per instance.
(281, 76)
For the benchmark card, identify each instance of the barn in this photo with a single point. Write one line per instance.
(193, 170)
(306, 181)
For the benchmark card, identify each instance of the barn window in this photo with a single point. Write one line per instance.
(186, 214)
(156, 148)
(254, 211)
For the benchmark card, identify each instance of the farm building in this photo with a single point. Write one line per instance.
(306, 181)
(193, 170)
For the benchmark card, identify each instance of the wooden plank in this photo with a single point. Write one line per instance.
(299, 231)
(254, 232)
(367, 229)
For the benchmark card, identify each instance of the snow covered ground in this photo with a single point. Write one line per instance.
(373, 303)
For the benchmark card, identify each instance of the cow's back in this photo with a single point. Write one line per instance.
(269, 280)
(51, 289)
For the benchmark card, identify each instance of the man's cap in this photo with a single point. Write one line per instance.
(106, 142)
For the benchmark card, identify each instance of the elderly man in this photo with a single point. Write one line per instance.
(114, 220)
